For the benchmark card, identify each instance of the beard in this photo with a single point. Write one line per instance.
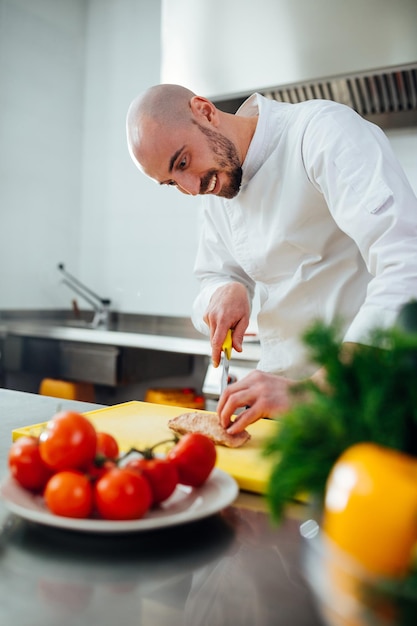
(227, 159)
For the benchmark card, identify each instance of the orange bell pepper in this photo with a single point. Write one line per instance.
(370, 507)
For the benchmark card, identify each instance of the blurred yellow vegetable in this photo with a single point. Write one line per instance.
(370, 507)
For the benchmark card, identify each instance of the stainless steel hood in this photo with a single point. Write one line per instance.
(387, 97)
(362, 53)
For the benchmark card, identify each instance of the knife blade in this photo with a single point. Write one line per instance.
(227, 353)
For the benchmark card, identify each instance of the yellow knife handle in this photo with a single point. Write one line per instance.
(227, 344)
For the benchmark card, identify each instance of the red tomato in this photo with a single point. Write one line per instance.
(69, 493)
(98, 468)
(69, 441)
(26, 465)
(161, 474)
(122, 494)
(107, 446)
(194, 456)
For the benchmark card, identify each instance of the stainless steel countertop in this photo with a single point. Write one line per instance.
(136, 332)
(231, 568)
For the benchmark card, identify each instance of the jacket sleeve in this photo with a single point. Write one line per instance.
(214, 267)
(351, 162)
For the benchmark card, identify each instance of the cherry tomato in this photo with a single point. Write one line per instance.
(69, 441)
(161, 474)
(194, 456)
(26, 465)
(122, 494)
(69, 493)
(99, 467)
(107, 446)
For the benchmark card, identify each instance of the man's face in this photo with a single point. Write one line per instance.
(226, 157)
(196, 159)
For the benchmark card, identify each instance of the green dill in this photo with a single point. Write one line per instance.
(371, 395)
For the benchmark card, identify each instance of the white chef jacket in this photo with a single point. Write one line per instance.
(325, 224)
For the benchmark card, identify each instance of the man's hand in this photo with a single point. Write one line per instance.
(264, 395)
(229, 307)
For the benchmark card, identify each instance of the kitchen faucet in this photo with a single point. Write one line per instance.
(100, 305)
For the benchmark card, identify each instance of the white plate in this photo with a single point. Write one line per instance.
(186, 504)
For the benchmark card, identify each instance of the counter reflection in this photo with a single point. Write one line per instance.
(232, 568)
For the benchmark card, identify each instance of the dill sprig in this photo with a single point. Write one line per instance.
(371, 395)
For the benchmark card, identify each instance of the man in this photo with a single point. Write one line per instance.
(307, 202)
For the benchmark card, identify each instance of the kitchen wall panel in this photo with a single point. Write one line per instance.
(41, 91)
(68, 189)
(138, 239)
(219, 48)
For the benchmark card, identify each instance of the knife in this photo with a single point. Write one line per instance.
(227, 353)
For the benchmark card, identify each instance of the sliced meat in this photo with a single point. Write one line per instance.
(208, 424)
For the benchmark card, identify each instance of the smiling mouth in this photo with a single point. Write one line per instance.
(211, 184)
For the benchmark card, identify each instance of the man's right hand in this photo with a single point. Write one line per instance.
(229, 307)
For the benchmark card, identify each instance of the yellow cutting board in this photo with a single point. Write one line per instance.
(142, 424)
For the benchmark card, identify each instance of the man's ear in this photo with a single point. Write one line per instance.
(203, 108)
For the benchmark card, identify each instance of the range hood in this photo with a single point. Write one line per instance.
(387, 97)
(362, 53)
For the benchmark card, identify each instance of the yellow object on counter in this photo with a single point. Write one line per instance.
(67, 389)
(185, 397)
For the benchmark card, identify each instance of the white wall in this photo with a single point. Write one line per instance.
(138, 240)
(68, 190)
(41, 94)
(218, 47)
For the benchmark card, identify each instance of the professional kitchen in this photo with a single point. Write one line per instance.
(208, 409)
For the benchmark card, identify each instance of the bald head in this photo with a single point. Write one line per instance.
(160, 106)
(162, 102)
(181, 139)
